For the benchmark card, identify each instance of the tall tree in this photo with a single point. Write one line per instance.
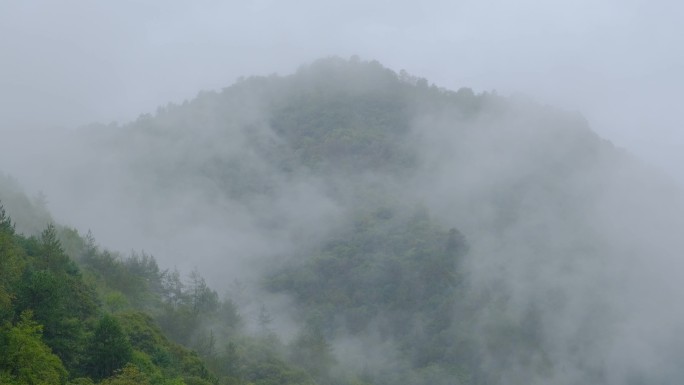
(10, 266)
(109, 349)
(52, 255)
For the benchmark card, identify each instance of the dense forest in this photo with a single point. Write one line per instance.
(347, 225)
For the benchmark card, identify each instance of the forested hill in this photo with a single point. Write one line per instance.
(365, 227)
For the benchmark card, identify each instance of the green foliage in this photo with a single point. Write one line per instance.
(81, 381)
(51, 254)
(48, 295)
(261, 360)
(51, 286)
(39, 281)
(172, 359)
(11, 258)
(129, 375)
(388, 262)
(109, 348)
(332, 129)
(138, 278)
(392, 269)
(116, 301)
(24, 357)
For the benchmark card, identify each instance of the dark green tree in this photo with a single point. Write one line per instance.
(51, 248)
(55, 307)
(109, 349)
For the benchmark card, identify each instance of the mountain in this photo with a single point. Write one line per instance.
(368, 226)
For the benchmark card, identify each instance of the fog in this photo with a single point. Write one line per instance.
(558, 219)
(605, 270)
(618, 62)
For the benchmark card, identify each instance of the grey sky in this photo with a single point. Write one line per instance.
(620, 63)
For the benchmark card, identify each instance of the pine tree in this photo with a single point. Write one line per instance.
(109, 349)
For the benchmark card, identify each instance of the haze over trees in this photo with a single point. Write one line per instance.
(343, 225)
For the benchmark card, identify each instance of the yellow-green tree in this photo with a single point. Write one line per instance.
(25, 359)
(10, 265)
(128, 375)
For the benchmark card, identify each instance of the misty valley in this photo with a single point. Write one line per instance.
(346, 225)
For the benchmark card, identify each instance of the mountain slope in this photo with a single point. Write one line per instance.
(388, 228)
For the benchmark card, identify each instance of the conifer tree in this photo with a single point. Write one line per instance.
(109, 349)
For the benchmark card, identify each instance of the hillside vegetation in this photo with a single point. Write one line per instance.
(343, 225)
